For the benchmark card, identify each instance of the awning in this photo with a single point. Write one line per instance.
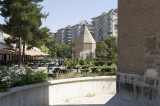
(7, 51)
(35, 53)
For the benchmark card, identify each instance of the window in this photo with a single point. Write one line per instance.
(109, 33)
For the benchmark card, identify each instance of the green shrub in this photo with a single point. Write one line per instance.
(4, 80)
(94, 70)
(82, 62)
(99, 63)
(72, 63)
(109, 63)
(84, 71)
(106, 69)
(56, 70)
(28, 76)
(13, 78)
(52, 75)
(85, 67)
(64, 71)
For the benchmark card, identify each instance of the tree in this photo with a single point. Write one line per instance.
(58, 50)
(101, 49)
(112, 45)
(52, 46)
(64, 50)
(22, 20)
(44, 49)
(110, 41)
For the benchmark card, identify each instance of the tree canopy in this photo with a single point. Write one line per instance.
(57, 50)
(111, 42)
(107, 48)
(23, 20)
(101, 49)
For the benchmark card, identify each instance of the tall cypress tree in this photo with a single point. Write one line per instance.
(23, 20)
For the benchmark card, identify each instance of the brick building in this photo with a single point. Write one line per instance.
(139, 51)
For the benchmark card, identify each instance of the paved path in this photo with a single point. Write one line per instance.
(97, 100)
(116, 101)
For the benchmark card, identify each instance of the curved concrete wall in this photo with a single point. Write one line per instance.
(54, 92)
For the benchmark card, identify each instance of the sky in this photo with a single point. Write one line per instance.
(70, 12)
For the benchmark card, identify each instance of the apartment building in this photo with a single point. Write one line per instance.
(69, 33)
(61, 36)
(105, 24)
(78, 28)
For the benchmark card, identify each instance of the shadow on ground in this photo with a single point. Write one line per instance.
(117, 101)
(79, 105)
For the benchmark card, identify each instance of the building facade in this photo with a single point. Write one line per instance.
(105, 24)
(66, 35)
(61, 36)
(78, 28)
(138, 77)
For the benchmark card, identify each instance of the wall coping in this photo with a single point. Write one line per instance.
(55, 82)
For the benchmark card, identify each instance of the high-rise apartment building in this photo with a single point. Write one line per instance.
(66, 35)
(76, 29)
(105, 24)
(61, 36)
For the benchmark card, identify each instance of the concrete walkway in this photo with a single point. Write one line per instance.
(116, 101)
(96, 100)
(99, 100)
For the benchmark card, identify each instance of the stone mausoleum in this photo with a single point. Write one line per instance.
(138, 76)
(85, 45)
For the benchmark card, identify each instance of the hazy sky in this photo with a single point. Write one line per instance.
(70, 12)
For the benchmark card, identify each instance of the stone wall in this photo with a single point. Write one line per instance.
(82, 47)
(139, 50)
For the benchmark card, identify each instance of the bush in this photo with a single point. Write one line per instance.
(94, 70)
(85, 67)
(13, 78)
(28, 76)
(4, 81)
(82, 62)
(106, 69)
(84, 71)
(99, 62)
(56, 70)
(64, 71)
(52, 75)
(109, 63)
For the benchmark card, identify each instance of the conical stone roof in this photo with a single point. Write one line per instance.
(85, 37)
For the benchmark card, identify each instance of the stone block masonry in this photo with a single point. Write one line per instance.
(139, 51)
